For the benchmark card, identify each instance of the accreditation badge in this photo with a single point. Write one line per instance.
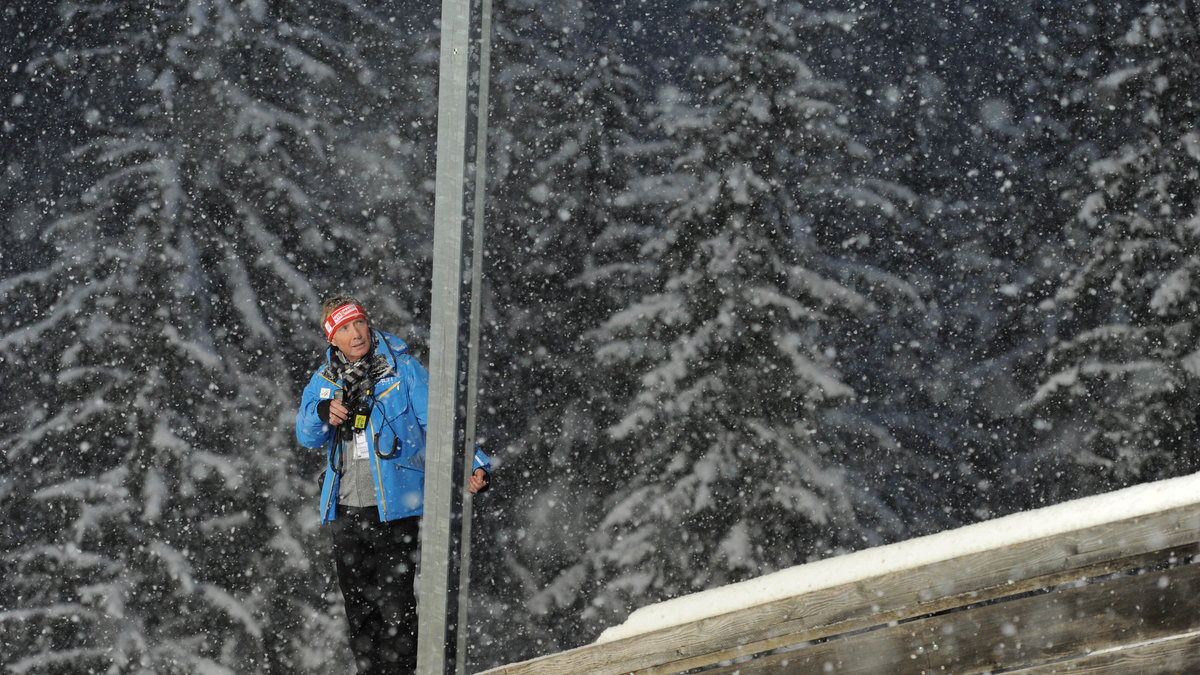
(360, 445)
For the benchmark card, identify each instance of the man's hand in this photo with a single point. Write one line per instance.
(332, 411)
(478, 481)
(338, 412)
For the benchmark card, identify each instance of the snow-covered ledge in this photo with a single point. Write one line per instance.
(980, 537)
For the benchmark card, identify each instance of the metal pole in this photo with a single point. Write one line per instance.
(436, 642)
(481, 122)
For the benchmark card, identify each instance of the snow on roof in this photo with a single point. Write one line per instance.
(989, 535)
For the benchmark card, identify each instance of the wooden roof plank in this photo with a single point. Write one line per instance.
(1069, 623)
(805, 633)
(1179, 654)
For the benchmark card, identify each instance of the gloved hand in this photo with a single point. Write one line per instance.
(332, 412)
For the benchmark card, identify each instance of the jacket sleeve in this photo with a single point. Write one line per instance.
(310, 430)
(418, 396)
(482, 461)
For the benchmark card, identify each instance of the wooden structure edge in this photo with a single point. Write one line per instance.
(975, 579)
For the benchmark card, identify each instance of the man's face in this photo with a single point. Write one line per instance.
(354, 339)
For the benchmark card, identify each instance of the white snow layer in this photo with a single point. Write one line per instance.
(989, 535)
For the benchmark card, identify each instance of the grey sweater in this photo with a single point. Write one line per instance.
(356, 488)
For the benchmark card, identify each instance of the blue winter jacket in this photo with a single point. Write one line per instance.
(396, 426)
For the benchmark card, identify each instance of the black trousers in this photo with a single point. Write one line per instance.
(376, 569)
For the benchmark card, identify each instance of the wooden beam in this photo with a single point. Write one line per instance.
(1175, 655)
(1068, 623)
(906, 593)
(860, 624)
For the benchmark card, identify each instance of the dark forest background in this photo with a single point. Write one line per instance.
(766, 282)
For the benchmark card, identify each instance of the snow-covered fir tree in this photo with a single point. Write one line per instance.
(971, 115)
(1120, 383)
(156, 514)
(722, 462)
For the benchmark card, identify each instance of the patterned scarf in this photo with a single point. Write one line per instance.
(358, 378)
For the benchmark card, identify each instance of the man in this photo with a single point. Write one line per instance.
(368, 406)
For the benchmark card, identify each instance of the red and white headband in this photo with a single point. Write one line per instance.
(342, 316)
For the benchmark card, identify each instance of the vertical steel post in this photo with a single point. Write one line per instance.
(481, 135)
(445, 468)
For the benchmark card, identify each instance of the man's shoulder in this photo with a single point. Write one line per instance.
(397, 351)
(321, 379)
(322, 373)
(395, 344)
